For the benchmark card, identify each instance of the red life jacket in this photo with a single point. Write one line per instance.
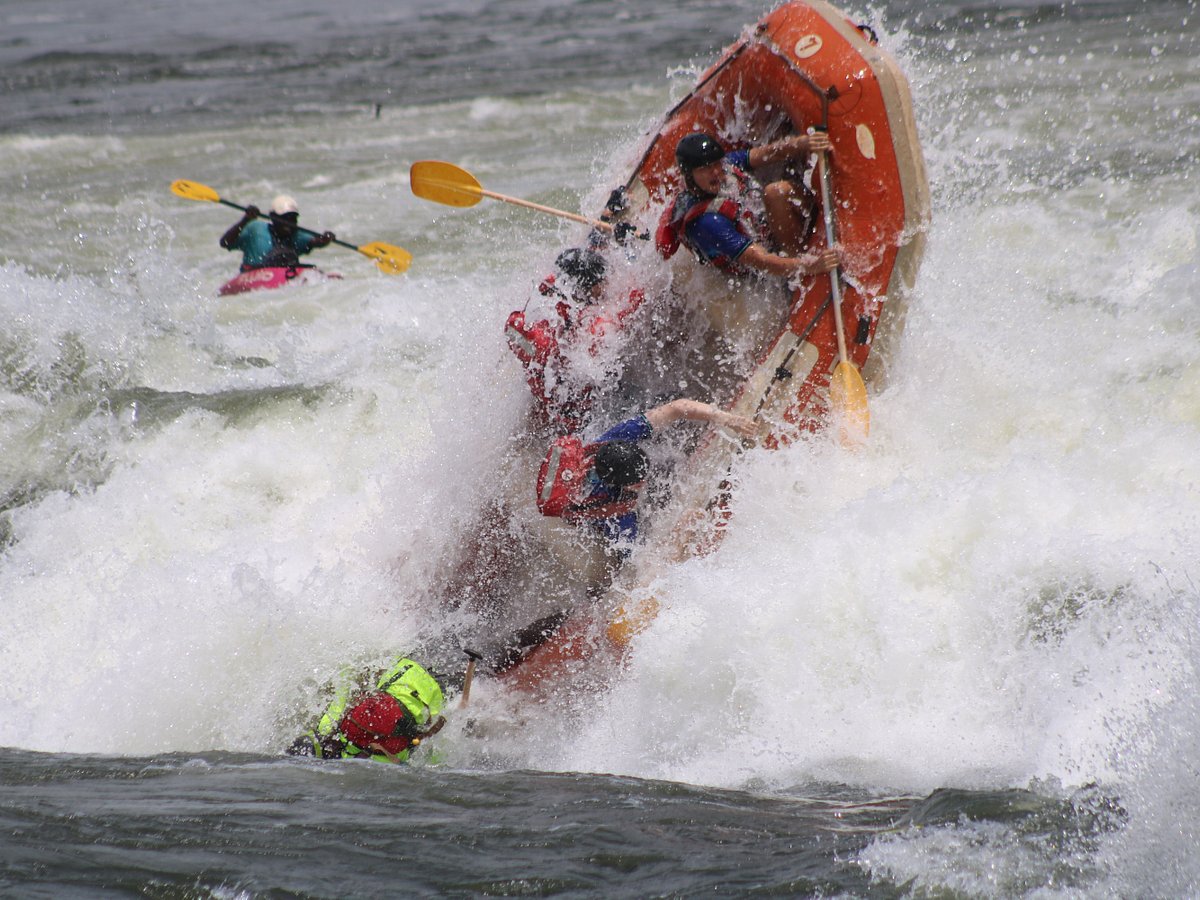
(536, 346)
(606, 322)
(562, 484)
(668, 235)
(673, 224)
(378, 718)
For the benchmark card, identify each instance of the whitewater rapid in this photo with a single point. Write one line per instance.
(212, 504)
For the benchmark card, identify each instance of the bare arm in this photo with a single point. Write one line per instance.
(695, 411)
(378, 748)
(789, 148)
(758, 257)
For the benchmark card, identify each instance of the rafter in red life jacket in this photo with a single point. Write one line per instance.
(538, 346)
(562, 484)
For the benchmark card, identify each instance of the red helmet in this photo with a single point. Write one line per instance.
(379, 718)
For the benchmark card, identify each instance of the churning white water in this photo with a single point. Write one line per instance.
(214, 503)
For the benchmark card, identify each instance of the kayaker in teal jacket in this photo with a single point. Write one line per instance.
(279, 242)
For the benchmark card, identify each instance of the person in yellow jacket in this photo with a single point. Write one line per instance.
(384, 724)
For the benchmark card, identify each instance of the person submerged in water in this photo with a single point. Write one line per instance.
(598, 484)
(729, 220)
(277, 243)
(387, 718)
(385, 723)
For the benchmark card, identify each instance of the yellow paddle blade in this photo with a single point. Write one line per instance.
(848, 398)
(444, 182)
(191, 190)
(388, 257)
(630, 619)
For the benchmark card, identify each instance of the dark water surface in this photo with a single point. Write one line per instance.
(102, 66)
(230, 825)
(106, 66)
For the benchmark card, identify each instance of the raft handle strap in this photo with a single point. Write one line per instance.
(864, 330)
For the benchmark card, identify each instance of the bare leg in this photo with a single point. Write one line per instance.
(789, 215)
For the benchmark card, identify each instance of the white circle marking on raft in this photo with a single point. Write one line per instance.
(809, 45)
(866, 141)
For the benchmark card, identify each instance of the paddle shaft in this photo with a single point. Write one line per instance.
(835, 280)
(847, 393)
(516, 201)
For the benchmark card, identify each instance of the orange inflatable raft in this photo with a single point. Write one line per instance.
(803, 66)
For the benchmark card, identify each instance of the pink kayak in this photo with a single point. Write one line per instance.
(273, 277)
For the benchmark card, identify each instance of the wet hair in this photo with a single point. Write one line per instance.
(620, 463)
(582, 265)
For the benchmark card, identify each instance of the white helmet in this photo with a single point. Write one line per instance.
(284, 204)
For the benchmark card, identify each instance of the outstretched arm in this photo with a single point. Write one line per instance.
(695, 411)
(789, 148)
(758, 257)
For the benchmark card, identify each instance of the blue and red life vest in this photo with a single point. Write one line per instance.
(688, 207)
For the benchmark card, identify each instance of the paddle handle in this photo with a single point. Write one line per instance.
(516, 201)
(469, 677)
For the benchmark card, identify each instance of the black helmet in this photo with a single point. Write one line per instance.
(620, 463)
(697, 150)
(582, 265)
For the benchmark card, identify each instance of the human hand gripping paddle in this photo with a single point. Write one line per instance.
(444, 182)
(391, 259)
(847, 393)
